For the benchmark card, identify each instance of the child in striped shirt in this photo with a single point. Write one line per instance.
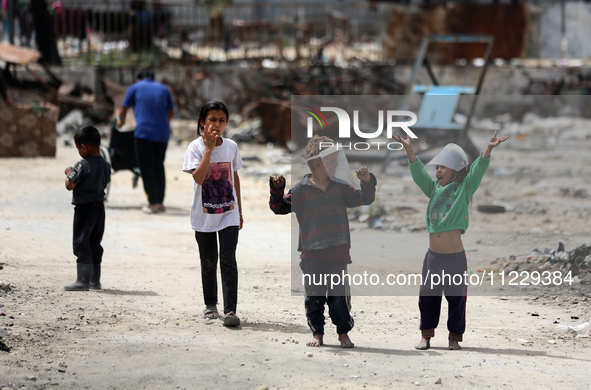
(320, 201)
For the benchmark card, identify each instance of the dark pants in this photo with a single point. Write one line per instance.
(150, 159)
(430, 296)
(319, 294)
(208, 252)
(89, 226)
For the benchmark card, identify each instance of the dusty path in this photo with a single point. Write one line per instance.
(144, 330)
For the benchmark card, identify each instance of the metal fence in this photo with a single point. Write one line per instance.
(117, 33)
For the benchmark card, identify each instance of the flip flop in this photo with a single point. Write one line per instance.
(231, 320)
(211, 313)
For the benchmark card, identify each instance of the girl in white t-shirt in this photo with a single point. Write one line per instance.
(216, 212)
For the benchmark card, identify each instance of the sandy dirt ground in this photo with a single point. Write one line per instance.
(144, 330)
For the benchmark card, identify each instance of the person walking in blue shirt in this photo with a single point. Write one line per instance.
(153, 109)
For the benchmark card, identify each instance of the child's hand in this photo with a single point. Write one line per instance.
(210, 137)
(363, 174)
(67, 170)
(405, 142)
(277, 181)
(494, 141)
(407, 145)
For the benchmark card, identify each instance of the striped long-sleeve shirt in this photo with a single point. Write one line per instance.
(322, 215)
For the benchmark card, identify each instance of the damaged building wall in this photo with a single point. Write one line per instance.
(577, 30)
(261, 92)
(404, 27)
(532, 30)
(267, 92)
(28, 131)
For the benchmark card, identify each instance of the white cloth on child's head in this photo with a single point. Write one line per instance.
(336, 164)
(451, 156)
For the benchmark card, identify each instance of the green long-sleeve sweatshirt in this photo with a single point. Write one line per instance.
(448, 205)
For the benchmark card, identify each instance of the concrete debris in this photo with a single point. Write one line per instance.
(577, 328)
(576, 262)
(6, 286)
(4, 347)
(71, 122)
(490, 208)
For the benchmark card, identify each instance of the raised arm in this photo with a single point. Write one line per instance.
(416, 167)
(278, 203)
(493, 143)
(366, 195)
(210, 138)
(407, 144)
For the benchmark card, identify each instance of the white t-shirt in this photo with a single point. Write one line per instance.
(215, 204)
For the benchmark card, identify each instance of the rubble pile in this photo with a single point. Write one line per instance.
(576, 261)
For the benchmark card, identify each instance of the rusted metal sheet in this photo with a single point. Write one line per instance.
(507, 23)
(28, 131)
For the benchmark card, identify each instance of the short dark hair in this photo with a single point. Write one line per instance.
(88, 135)
(145, 74)
(213, 105)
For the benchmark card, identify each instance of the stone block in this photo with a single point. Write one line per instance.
(28, 130)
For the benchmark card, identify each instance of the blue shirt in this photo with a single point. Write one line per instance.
(151, 102)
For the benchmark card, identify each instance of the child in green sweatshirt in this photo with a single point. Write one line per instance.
(449, 182)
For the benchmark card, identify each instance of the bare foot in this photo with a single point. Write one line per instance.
(317, 342)
(423, 344)
(454, 345)
(345, 341)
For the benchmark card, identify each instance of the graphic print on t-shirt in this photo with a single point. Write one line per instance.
(217, 191)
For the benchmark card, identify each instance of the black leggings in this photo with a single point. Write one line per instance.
(208, 252)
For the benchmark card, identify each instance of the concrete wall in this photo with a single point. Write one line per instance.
(578, 30)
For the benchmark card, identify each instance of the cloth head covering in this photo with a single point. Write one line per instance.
(451, 156)
(336, 164)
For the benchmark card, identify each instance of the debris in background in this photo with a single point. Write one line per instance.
(577, 328)
(4, 347)
(490, 208)
(276, 120)
(28, 130)
(577, 262)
